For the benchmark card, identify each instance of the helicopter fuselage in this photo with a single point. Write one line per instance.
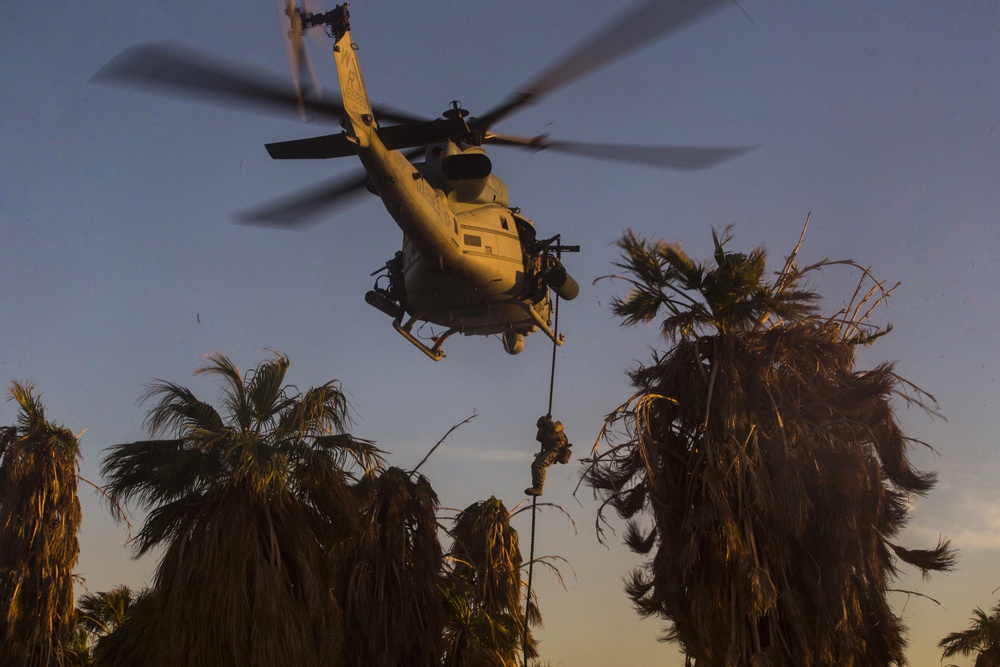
(469, 262)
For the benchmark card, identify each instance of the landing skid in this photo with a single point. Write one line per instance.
(542, 324)
(406, 331)
(384, 302)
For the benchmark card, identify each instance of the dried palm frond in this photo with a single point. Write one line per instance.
(390, 572)
(485, 619)
(39, 520)
(774, 472)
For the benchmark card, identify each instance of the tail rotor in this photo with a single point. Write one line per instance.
(300, 66)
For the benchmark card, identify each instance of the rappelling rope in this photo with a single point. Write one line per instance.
(534, 499)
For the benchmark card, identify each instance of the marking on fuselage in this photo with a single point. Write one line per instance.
(354, 88)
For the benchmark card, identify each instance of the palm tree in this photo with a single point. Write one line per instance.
(39, 519)
(102, 613)
(78, 652)
(247, 505)
(390, 574)
(774, 473)
(982, 638)
(485, 614)
(101, 617)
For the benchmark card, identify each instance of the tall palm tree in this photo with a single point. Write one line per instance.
(247, 505)
(390, 574)
(774, 473)
(485, 613)
(39, 519)
(981, 638)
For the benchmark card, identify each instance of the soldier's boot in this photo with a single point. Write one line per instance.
(537, 481)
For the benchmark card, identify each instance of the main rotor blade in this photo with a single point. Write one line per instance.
(303, 208)
(650, 20)
(667, 157)
(169, 67)
(386, 112)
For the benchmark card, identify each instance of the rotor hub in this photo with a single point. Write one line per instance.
(455, 111)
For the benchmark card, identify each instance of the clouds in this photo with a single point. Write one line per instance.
(977, 526)
(959, 510)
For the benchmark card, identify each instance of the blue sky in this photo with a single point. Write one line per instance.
(121, 264)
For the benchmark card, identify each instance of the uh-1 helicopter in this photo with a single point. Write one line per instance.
(470, 262)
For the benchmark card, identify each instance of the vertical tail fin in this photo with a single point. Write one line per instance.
(360, 120)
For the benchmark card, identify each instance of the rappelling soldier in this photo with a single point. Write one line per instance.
(555, 448)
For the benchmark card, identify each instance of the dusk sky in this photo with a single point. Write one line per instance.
(121, 263)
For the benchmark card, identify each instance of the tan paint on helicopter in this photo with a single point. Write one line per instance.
(420, 210)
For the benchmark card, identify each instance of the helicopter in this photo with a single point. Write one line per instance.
(470, 262)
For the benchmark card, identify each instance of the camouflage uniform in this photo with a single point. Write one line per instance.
(555, 448)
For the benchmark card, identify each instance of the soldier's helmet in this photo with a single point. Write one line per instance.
(544, 420)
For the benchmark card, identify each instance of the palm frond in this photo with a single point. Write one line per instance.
(393, 608)
(982, 636)
(39, 519)
(233, 387)
(485, 575)
(265, 390)
(249, 504)
(772, 471)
